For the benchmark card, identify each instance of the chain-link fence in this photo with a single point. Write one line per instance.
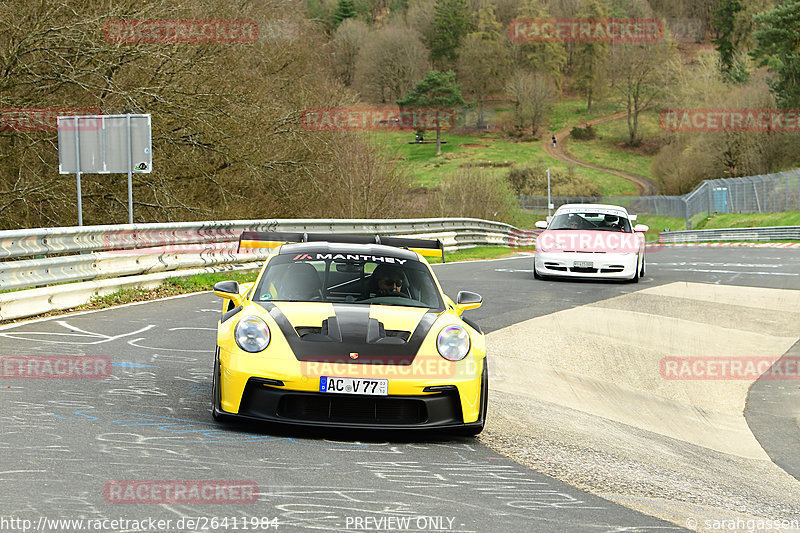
(770, 193)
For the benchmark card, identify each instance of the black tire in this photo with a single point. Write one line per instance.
(644, 261)
(216, 409)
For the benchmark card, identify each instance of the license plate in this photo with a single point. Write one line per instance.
(372, 387)
(583, 264)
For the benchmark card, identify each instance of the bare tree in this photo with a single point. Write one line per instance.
(227, 137)
(391, 60)
(364, 182)
(456, 196)
(483, 61)
(533, 95)
(644, 74)
(348, 40)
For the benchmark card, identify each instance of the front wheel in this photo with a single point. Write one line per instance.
(216, 413)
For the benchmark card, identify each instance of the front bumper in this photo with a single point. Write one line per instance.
(260, 396)
(604, 265)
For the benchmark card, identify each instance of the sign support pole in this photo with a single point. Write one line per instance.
(130, 170)
(78, 169)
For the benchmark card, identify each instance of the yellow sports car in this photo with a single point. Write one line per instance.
(349, 331)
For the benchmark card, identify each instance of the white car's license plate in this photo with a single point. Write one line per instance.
(373, 387)
(583, 264)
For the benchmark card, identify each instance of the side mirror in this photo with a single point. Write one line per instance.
(230, 290)
(633, 218)
(467, 300)
(541, 224)
(549, 218)
(641, 228)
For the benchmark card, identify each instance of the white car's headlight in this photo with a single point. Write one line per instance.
(252, 334)
(453, 343)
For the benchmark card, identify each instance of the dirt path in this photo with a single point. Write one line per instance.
(644, 186)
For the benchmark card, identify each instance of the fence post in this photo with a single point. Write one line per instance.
(685, 199)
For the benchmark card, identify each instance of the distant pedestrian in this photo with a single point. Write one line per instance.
(554, 141)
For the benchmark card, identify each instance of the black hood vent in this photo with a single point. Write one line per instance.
(351, 336)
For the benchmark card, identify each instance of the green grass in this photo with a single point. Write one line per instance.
(748, 220)
(479, 252)
(206, 282)
(659, 224)
(607, 151)
(493, 150)
(169, 287)
(572, 112)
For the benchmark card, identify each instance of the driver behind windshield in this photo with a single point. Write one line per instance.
(389, 281)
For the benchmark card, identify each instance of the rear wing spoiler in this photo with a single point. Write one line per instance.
(261, 239)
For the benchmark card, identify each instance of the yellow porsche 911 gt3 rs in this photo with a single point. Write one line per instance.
(349, 331)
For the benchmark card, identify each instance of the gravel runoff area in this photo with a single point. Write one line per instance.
(584, 401)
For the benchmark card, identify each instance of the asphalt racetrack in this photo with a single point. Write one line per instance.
(69, 443)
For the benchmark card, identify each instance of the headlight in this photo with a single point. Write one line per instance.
(453, 343)
(252, 334)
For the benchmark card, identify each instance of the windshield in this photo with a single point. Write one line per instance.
(332, 278)
(591, 221)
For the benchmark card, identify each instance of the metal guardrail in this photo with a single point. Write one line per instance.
(778, 233)
(111, 251)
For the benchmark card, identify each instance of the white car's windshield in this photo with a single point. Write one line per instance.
(590, 221)
(390, 281)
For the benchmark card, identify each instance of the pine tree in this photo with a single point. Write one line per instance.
(346, 9)
(727, 42)
(589, 56)
(451, 22)
(438, 91)
(778, 48)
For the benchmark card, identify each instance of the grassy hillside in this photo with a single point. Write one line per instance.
(490, 150)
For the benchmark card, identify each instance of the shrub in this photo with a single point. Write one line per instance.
(582, 134)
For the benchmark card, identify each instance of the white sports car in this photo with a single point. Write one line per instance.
(590, 240)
